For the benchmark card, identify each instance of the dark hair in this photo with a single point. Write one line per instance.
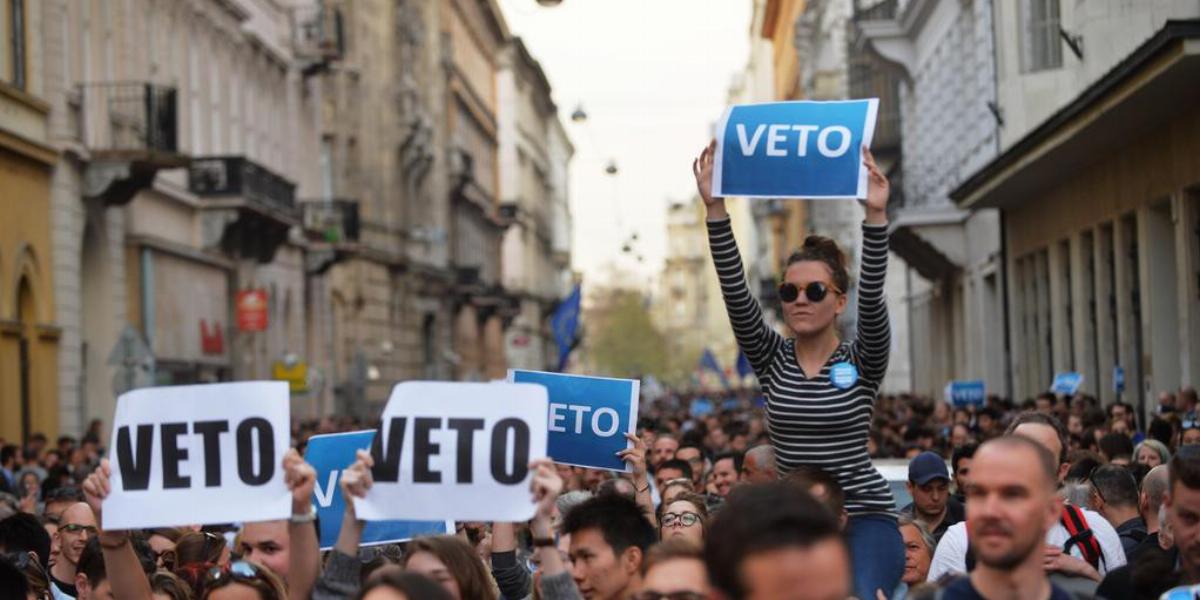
(168, 583)
(690, 444)
(66, 493)
(1116, 445)
(1160, 430)
(807, 476)
(1083, 462)
(736, 457)
(460, 559)
(91, 562)
(13, 580)
(1116, 485)
(613, 486)
(965, 451)
(619, 520)
(196, 547)
(677, 463)
(1042, 419)
(758, 518)
(821, 249)
(1185, 467)
(23, 532)
(412, 585)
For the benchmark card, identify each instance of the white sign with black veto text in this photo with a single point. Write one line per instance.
(199, 454)
(456, 451)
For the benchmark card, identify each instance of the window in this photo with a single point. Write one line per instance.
(16, 31)
(1041, 47)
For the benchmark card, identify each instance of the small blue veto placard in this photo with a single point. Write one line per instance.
(1066, 383)
(329, 455)
(589, 417)
(803, 149)
(967, 393)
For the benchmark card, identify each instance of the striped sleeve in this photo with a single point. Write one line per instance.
(874, 339)
(756, 340)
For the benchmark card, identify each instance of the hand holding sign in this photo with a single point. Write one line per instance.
(702, 168)
(545, 486)
(878, 190)
(97, 487)
(636, 457)
(356, 480)
(300, 478)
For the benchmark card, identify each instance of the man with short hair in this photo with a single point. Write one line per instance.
(694, 455)
(758, 466)
(1150, 501)
(1013, 503)
(929, 486)
(1114, 495)
(609, 538)
(672, 569)
(960, 461)
(672, 469)
(1116, 448)
(824, 487)
(726, 467)
(75, 528)
(8, 469)
(1072, 560)
(776, 541)
(663, 450)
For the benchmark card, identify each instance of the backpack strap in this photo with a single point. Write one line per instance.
(1080, 534)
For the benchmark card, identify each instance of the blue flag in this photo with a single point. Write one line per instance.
(743, 365)
(794, 149)
(709, 361)
(565, 324)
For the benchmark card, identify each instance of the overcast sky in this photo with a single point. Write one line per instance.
(653, 76)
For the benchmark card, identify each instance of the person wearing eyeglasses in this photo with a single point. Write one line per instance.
(820, 390)
(683, 517)
(674, 570)
(76, 526)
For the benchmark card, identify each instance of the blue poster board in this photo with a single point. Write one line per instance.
(966, 393)
(1066, 383)
(329, 455)
(588, 418)
(802, 149)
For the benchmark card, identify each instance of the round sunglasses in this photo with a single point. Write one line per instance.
(815, 291)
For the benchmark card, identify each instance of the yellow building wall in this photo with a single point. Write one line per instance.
(26, 292)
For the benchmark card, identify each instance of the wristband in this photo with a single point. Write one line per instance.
(547, 542)
(305, 518)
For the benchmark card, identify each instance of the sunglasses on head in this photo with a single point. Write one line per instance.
(239, 571)
(815, 291)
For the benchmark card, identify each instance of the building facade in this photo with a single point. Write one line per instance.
(29, 329)
(953, 295)
(534, 152)
(1097, 188)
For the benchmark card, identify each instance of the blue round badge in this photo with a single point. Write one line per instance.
(843, 375)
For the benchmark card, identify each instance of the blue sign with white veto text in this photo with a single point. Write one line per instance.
(794, 149)
(589, 417)
(967, 393)
(330, 455)
(1066, 383)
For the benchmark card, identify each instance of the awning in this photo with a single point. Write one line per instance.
(931, 240)
(1156, 81)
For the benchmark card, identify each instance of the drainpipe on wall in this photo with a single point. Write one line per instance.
(148, 317)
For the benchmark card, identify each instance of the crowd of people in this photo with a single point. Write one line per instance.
(705, 511)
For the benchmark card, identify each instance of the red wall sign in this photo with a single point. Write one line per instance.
(251, 310)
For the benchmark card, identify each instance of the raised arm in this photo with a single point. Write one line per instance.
(756, 340)
(305, 555)
(873, 343)
(125, 574)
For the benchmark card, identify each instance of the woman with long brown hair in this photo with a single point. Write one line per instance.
(450, 561)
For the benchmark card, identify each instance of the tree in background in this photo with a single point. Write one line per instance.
(622, 340)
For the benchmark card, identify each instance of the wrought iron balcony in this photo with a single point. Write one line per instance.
(250, 209)
(130, 132)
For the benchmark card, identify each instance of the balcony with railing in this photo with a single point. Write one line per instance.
(332, 230)
(129, 131)
(249, 208)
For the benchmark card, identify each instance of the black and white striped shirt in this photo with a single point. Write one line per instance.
(810, 420)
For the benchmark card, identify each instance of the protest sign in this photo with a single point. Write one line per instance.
(1066, 383)
(794, 149)
(199, 454)
(330, 455)
(966, 393)
(588, 417)
(456, 451)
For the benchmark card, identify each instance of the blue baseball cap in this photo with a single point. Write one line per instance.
(926, 467)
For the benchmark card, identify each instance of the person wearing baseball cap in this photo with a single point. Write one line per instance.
(929, 484)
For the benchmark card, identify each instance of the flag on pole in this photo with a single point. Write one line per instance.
(709, 361)
(743, 365)
(565, 325)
